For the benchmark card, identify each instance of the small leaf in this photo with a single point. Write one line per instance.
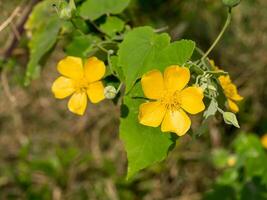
(81, 45)
(117, 68)
(220, 157)
(41, 42)
(93, 9)
(177, 53)
(112, 26)
(228, 177)
(212, 109)
(230, 118)
(144, 145)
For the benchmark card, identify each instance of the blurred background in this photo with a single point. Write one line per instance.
(46, 152)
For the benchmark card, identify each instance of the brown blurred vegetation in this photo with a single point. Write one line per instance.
(46, 149)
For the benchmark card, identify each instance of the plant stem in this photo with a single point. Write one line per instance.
(119, 88)
(102, 48)
(227, 22)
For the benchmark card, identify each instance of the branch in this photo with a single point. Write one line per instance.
(10, 18)
(13, 41)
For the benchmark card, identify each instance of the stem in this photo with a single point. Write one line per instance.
(119, 88)
(227, 22)
(220, 110)
(102, 48)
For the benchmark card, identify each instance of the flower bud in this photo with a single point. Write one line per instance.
(110, 92)
(65, 13)
(230, 118)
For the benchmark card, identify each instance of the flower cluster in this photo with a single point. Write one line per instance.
(170, 99)
(229, 89)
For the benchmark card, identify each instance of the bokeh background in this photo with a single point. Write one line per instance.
(46, 152)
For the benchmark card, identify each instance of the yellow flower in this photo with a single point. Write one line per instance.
(229, 89)
(230, 92)
(264, 140)
(79, 81)
(170, 99)
(231, 161)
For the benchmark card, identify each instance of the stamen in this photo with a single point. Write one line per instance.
(81, 85)
(171, 101)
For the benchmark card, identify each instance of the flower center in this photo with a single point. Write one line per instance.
(171, 101)
(81, 85)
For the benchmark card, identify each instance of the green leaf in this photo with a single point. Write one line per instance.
(212, 109)
(228, 177)
(217, 190)
(112, 26)
(230, 118)
(177, 53)
(139, 51)
(41, 12)
(93, 9)
(117, 68)
(43, 26)
(144, 145)
(253, 155)
(41, 42)
(220, 157)
(142, 50)
(81, 45)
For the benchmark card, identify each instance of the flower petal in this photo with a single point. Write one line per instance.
(234, 93)
(71, 67)
(151, 113)
(264, 141)
(77, 103)
(176, 121)
(94, 69)
(95, 92)
(232, 105)
(192, 100)
(62, 87)
(225, 80)
(236, 97)
(152, 84)
(176, 78)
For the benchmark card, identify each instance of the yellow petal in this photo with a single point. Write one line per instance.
(176, 78)
(264, 141)
(71, 67)
(233, 106)
(62, 87)
(234, 94)
(151, 113)
(236, 97)
(224, 80)
(152, 84)
(77, 103)
(192, 100)
(94, 69)
(95, 92)
(176, 121)
(213, 66)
